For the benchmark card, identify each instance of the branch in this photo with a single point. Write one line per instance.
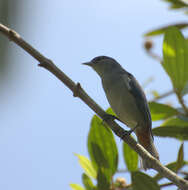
(155, 56)
(164, 95)
(79, 92)
(166, 185)
(182, 103)
(170, 183)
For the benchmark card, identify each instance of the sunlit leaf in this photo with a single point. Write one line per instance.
(162, 30)
(155, 93)
(87, 166)
(175, 54)
(110, 111)
(76, 187)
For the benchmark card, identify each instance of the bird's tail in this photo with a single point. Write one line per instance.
(146, 140)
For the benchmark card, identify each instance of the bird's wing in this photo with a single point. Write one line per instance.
(139, 96)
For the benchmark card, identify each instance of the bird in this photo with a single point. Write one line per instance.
(127, 100)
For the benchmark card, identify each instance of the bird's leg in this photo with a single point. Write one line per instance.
(129, 132)
(107, 117)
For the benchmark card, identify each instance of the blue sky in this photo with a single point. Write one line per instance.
(42, 125)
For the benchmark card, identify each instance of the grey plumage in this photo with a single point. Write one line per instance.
(126, 98)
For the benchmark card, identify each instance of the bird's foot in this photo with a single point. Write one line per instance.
(108, 117)
(128, 132)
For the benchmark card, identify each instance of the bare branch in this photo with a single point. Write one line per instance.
(166, 185)
(79, 92)
(181, 101)
(164, 95)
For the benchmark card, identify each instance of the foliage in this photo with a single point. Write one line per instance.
(175, 55)
(102, 164)
(162, 30)
(177, 4)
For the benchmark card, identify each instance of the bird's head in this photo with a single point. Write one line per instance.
(103, 65)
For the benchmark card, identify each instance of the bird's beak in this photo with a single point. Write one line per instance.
(88, 63)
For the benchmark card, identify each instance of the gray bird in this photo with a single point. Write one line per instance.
(127, 100)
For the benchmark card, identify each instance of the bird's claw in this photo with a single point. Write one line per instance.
(108, 117)
(126, 133)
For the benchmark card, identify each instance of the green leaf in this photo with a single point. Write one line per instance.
(176, 4)
(175, 54)
(110, 111)
(178, 132)
(143, 181)
(162, 30)
(102, 147)
(172, 166)
(87, 182)
(180, 158)
(76, 187)
(102, 181)
(173, 127)
(130, 158)
(161, 111)
(155, 93)
(175, 121)
(87, 166)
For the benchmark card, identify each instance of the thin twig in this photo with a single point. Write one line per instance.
(125, 170)
(170, 183)
(155, 56)
(164, 95)
(51, 67)
(148, 45)
(181, 101)
(166, 184)
(122, 171)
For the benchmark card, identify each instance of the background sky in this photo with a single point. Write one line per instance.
(42, 125)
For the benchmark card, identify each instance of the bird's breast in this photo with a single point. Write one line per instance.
(121, 100)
